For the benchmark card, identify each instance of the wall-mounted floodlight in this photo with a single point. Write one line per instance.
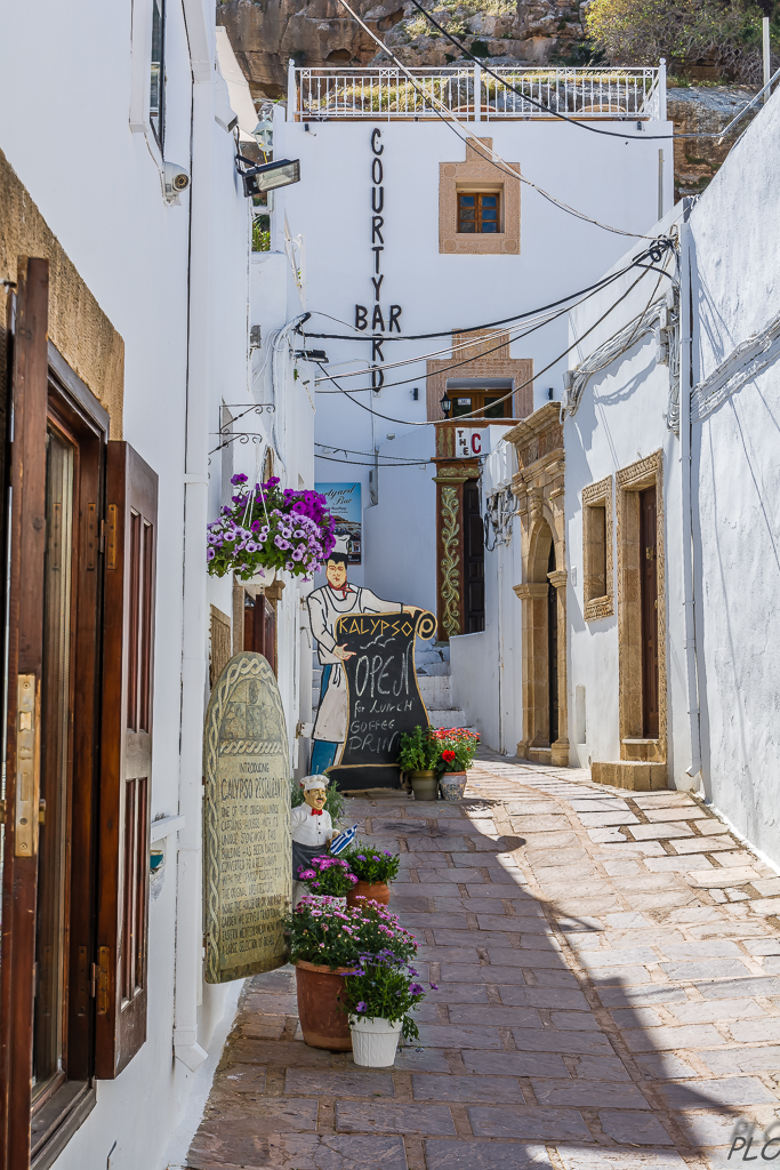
(271, 175)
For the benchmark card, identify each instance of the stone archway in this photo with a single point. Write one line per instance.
(538, 486)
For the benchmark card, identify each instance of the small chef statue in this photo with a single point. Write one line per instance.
(312, 828)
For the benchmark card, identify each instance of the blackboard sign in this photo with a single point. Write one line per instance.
(383, 696)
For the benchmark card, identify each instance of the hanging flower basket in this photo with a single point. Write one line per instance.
(265, 528)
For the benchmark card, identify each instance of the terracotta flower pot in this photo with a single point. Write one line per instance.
(425, 786)
(374, 891)
(453, 785)
(323, 1020)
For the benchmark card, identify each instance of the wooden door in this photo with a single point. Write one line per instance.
(27, 537)
(260, 628)
(648, 575)
(473, 559)
(552, 649)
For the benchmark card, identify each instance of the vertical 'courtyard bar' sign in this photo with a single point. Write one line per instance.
(374, 317)
(247, 844)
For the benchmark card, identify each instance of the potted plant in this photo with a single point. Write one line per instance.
(328, 877)
(373, 869)
(379, 995)
(265, 529)
(326, 942)
(418, 757)
(457, 747)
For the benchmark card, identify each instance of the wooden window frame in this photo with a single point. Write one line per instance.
(479, 229)
(597, 560)
(157, 121)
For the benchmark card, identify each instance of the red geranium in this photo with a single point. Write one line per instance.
(457, 748)
(448, 756)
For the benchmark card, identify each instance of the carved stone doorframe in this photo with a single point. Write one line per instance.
(538, 487)
(450, 585)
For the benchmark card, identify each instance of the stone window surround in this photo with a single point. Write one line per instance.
(485, 356)
(478, 173)
(597, 494)
(647, 472)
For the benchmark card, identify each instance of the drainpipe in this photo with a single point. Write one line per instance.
(189, 928)
(686, 458)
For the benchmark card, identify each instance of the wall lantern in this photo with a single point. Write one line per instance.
(270, 175)
(446, 405)
(263, 133)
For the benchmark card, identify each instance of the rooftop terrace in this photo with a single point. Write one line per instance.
(388, 93)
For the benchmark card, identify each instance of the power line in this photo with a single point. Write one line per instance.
(503, 398)
(368, 454)
(373, 462)
(655, 252)
(488, 154)
(510, 339)
(548, 109)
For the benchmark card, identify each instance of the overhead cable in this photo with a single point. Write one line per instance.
(503, 398)
(557, 113)
(654, 253)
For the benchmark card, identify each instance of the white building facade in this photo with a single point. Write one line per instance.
(678, 413)
(136, 351)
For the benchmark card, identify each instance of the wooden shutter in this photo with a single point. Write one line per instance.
(27, 540)
(126, 758)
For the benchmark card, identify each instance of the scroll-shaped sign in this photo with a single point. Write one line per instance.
(247, 843)
(383, 695)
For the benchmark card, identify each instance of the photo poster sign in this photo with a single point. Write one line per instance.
(344, 503)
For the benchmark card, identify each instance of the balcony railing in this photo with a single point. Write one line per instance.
(388, 93)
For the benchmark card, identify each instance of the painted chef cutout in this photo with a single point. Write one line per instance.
(326, 605)
(311, 825)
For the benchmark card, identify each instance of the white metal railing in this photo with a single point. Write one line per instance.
(386, 93)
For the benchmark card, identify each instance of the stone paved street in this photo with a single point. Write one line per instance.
(609, 996)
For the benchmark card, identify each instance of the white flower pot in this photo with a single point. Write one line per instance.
(374, 1041)
(258, 583)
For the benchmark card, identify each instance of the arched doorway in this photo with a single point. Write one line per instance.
(539, 489)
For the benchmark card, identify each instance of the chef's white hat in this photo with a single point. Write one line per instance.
(341, 546)
(317, 780)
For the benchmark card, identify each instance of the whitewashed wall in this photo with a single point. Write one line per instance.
(735, 230)
(175, 282)
(730, 747)
(620, 420)
(608, 178)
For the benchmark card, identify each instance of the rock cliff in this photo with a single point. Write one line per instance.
(266, 33)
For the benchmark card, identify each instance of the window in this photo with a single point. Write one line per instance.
(489, 403)
(597, 549)
(479, 211)
(157, 69)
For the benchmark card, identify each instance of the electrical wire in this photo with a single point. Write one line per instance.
(483, 151)
(548, 109)
(655, 252)
(368, 454)
(373, 462)
(503, 398)
(507, 340)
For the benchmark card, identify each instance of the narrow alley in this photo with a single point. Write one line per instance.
(608, 973)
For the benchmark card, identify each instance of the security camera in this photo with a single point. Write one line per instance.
(175, 180)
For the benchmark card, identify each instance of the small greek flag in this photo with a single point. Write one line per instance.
(345, 839)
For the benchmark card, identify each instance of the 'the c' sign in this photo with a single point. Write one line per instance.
(468, 442)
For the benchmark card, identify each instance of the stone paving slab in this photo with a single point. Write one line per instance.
(609, 995)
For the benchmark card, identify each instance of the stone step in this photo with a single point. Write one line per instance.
(436, 690)
(431, 667)
(435, 653)
(446, 717)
